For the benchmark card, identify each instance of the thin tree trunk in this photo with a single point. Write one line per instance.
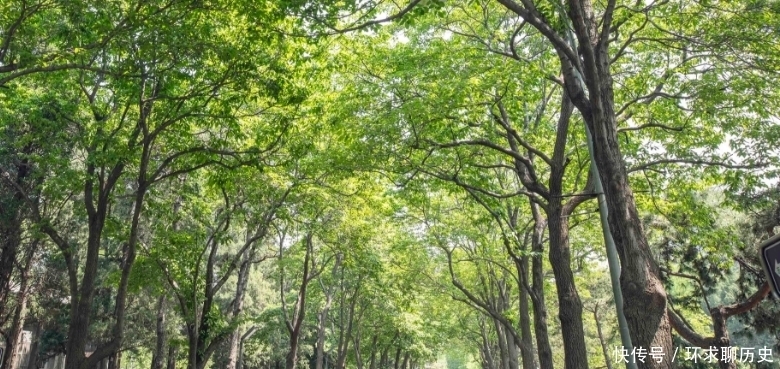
(238, 306)
(503, 351)
(299, 311)
(158, 356)
(383, 357)
(246, 336)
(529, 360)
(356, 349)
(172, 353)
(12, 357)
(487, 354)
(603, 343)
(372, 361)
(512, 352)
(537, 297)
(322, 317)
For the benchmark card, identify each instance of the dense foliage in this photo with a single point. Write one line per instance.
(375, 185)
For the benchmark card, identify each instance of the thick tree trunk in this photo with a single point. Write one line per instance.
(643, 292)
(319, 350)
(82, 296)
(292, 355)
(569, 304)
(322, 317)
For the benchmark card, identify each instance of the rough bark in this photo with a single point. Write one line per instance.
(570, 306)
(643, 292)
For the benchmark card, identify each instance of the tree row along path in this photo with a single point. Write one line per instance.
(378, 184)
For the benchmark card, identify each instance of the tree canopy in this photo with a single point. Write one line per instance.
(387, 185)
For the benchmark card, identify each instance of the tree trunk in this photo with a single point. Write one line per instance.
(537, 297)
(12, 358)
(487, 353)
(607, 358)
(158, 356)
(172, 353)
(12, 215)
(238, 306)
(503, 351)
(372, 360)
(529, 360)
(643, 292)
(246, 336)
(356, 349)
(322, 317)
(299, 311)
(13, 344)
(569, 304)
(114, 361)
(511, 347)
(383, 357)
